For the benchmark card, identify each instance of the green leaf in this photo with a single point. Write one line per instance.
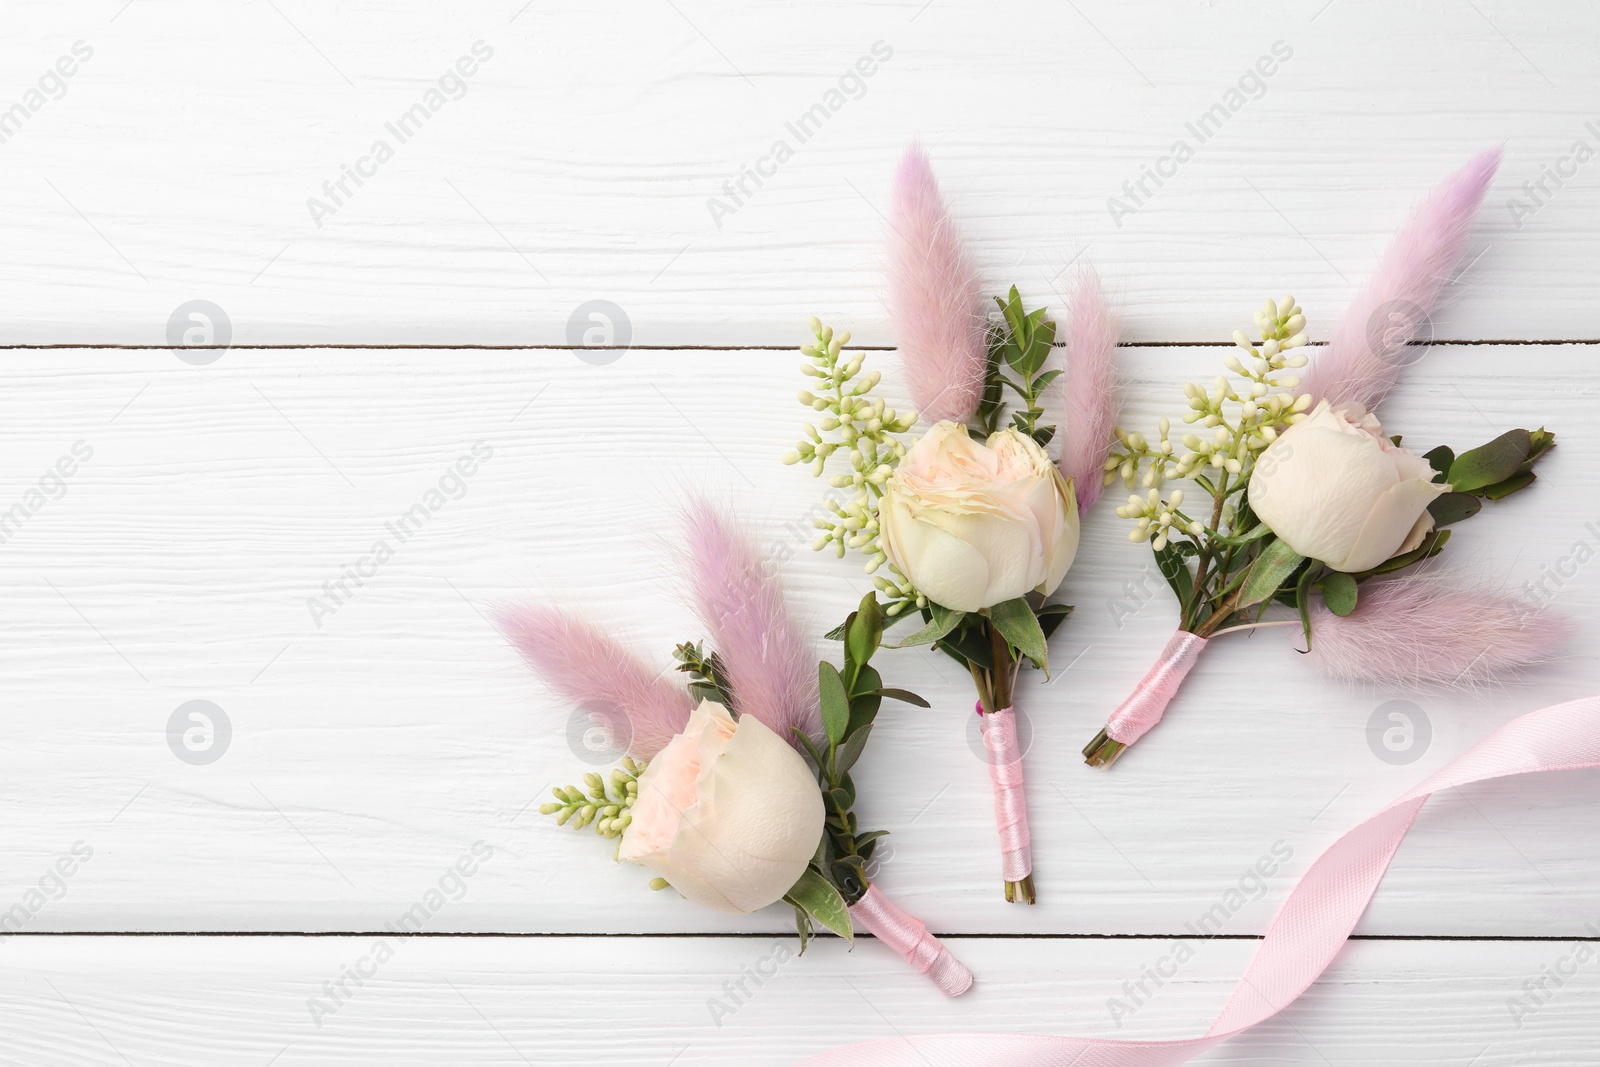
(864, 699)
(802, 924)
(1339, 593)
(865, 631)
(1450, 508)
(811, 749)
(1440, 459)
(1175, 571)
(867, 841)
(835, 703)
(1044, 336)
(818, 898)
(1020, 626)
(971, 642)
(1302, 600)
(1490, 463)
(1271, 569)
(1541, 441)
(902, 695)
(1501, 490)
(944, 620)
(1052, 616)
(845, 755)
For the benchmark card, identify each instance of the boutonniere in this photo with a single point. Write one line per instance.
(736, 788)
(970, 527)
(1298, 497)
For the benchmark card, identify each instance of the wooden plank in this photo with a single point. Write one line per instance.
(368, 753)
(587, 157)
(648, 1002)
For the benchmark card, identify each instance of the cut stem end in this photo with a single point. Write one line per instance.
(1102, 751)
(1020, 892)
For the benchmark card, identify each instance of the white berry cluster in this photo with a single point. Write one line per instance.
(1244, 417)
(864, 429)
(1157, 517)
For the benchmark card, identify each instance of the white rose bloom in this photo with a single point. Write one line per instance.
(975, 524)
(1337, 490)
(727, 812)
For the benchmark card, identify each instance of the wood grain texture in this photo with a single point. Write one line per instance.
(167, 528)
(205, 1001)
(584, 157)
(369, 751)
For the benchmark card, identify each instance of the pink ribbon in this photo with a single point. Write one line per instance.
(1304, 937)
(999, 730)
(910, 938)
(1149, 699)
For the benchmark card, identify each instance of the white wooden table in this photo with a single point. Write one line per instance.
(596, 152)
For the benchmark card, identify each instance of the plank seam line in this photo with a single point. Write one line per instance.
(746, 935)
(353, 347)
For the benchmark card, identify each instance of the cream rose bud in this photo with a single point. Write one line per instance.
(975, 524)
(1337, 490)
(727, 812)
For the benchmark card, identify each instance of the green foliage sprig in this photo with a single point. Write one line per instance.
(605, 803)
(850, 698)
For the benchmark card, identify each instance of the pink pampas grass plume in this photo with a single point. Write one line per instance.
(770, 673)
(1419, 629)
(1369, 350)
(588, 668)
(1090, 393)
(935, 299)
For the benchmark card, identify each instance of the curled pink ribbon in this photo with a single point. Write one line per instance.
(906, 934)
(1149, 699)
(1304, 937)
(999, 731)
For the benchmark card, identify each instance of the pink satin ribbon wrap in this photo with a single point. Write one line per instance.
(1304, 937)
(1010, 800)
(906, 934)
(1149, 699)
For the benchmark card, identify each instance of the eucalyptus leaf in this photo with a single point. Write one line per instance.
(1490, 463)
(1450, 508)
(1440, 459)
(1339, 593)
(1501, 490)
(1270, 570)
(1020, 626)
(818, 898)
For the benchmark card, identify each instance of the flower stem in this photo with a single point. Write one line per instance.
(1255, 626)
(1102, 751)
(1020, 892)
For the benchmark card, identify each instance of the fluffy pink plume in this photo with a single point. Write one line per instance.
(1369, 350)
(1090, 394)
(588, 668)
(770, 673)
(935, 299)
(1418, 629)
